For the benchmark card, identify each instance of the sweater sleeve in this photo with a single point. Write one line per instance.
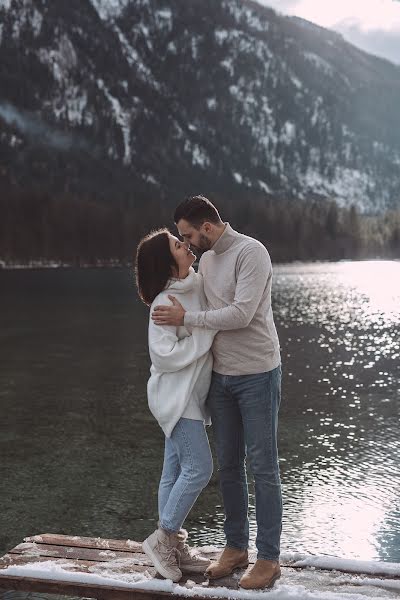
(254, 271)
(168, 353)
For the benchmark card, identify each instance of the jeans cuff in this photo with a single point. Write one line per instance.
(263, 557)
(234, 547)
(167, 529)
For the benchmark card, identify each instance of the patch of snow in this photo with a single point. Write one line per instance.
(107, 553)
(296, 82)
(36, 21)
(346, 185)
(319, 62)
(133, 58)
(347, 147)
(254, 21)
(75, 104)
(71, 105)
(15, 141)
(31, 549)
(122, 117)
(163, 18)
(5, 4)
(237, 177)
(172, 48)
(150, 179)
(144, 29)
(228, 65)
(199, 155)
(164, 13)
(347, 564)
(25, 15)
(195, 50)
(264, 186)
(337, 587)
(178, 131)
(221, 35)
(109, 9)
(316, 113)
(100, 542)
(130, 53)
(241, 13)
(192, 127)
(60, 60)
(288, 132)
(211, 103)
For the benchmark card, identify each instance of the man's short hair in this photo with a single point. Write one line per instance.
(196, 210)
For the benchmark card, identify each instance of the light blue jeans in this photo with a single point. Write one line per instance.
(244, 412)
(187, 469)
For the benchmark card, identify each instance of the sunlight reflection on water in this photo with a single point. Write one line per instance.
(347, 393)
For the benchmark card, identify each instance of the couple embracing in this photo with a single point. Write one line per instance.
(215, 359)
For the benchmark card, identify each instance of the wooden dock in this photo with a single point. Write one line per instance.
(108, 569)
(117, 560)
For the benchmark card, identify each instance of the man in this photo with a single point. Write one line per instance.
(244, 395)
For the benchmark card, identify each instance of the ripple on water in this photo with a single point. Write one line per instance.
(339, 328)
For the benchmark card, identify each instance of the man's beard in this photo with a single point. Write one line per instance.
(205, 244)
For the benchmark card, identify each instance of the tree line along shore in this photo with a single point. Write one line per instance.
(40, 227)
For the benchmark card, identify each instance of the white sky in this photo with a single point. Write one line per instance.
(373, 25)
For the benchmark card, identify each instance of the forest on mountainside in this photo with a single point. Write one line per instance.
(79, 230)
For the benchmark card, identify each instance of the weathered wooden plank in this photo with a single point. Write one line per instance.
(17, 559)
(98, 591)
(76, 552)
(86, 566)
(69, 588)
(85, 542)
(89, 542)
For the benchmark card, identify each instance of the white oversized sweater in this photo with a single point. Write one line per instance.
(181, 360)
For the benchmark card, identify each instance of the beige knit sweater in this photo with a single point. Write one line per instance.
(237, 275)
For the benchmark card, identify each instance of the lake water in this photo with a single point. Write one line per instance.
(81, 454)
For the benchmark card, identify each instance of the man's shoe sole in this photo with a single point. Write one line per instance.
(159, 568)
(242, 565)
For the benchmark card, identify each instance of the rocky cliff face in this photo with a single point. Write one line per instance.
(105, 96)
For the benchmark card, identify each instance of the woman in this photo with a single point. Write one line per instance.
(177, 390)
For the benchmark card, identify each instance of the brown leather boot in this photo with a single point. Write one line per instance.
(230, 559)
(262, 574)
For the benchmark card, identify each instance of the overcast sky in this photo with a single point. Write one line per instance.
(373, 25)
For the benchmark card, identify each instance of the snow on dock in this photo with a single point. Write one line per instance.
(108, 569)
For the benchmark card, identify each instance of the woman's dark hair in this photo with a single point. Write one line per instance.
(196, 210)
(153, 265)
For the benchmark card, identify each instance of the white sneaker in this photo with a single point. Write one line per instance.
(161, 548)
(189, 560)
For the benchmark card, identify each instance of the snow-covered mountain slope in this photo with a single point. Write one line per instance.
(174, 97)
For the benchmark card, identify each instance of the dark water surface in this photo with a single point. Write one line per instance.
(81, 454)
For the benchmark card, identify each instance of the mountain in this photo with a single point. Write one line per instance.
(162, 98)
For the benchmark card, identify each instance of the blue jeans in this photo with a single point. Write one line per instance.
(244, 412)
(187, 469)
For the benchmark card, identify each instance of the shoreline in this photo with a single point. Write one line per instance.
(115, 264)
(38, 264)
